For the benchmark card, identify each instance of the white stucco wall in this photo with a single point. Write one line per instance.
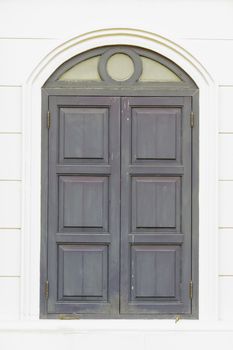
(29, 31)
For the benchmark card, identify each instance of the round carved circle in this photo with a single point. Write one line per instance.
(130, 67)
(120, 67)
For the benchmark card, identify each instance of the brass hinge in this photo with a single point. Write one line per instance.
(73, 316)
(191, 290)
(46, 290)
(192, 119)
(48, 119)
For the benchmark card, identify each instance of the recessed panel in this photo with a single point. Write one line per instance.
(156, 203)
(83, 202)
(83, 134)
(82, 272)
(155, 272)
(155, 134)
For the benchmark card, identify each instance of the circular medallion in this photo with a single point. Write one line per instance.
(120, 65)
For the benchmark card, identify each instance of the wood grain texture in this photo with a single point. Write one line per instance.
(155, 278)
(153, 194)
(83, 266)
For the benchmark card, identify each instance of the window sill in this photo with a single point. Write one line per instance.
(80, 326)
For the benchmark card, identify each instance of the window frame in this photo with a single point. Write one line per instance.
(186, 87)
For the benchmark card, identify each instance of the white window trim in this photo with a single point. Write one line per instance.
(208, 162)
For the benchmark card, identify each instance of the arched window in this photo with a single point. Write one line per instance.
(119, 65)
(121, 200)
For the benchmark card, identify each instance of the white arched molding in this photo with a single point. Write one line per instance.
(208, 179)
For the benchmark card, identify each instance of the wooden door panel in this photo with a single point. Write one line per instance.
(83, 135)
(155, 270)
(156, 134)
(83, 203)
(84, 211)
(155, 205)
(82, 272)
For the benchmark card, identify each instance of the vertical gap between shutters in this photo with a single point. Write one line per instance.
(119, 305)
